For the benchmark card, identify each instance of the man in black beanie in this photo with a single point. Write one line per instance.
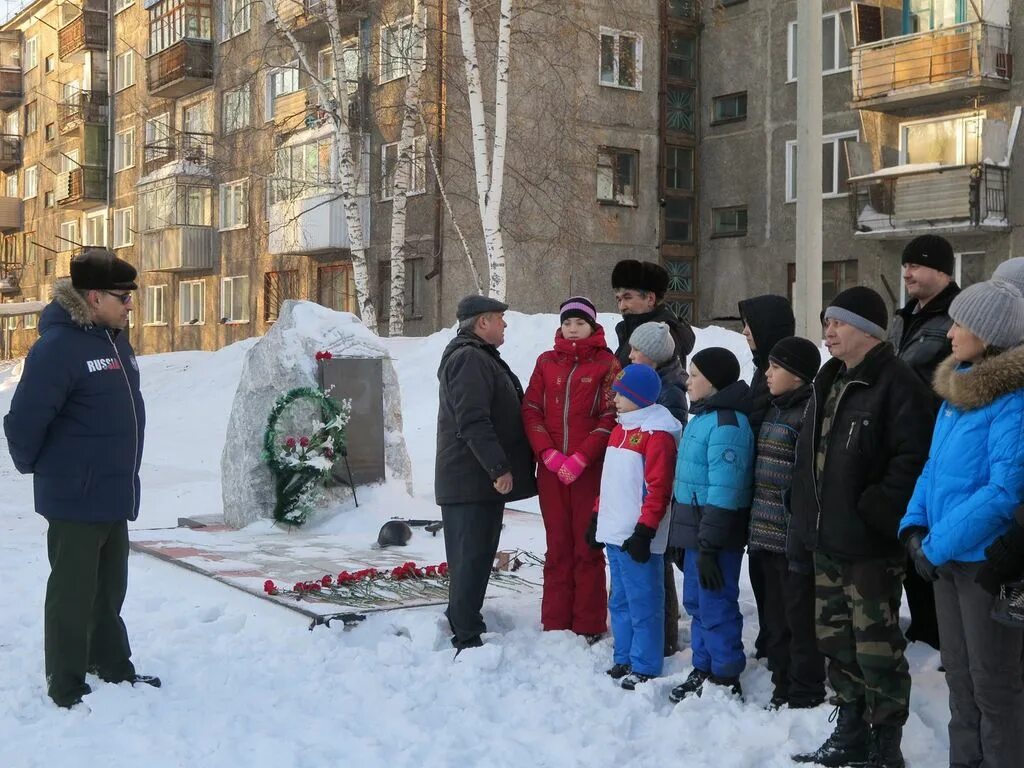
(76, 424)
(860, 451)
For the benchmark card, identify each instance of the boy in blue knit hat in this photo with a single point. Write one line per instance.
(632, 520)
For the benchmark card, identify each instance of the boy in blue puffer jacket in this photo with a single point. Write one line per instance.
(713, 489)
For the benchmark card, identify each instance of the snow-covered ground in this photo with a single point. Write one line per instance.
(246, 684)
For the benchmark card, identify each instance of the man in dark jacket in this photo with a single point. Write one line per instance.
(640, 287)
(766, 320)
(918, 335)
(861, 448)
(76, 424)
(483, 458)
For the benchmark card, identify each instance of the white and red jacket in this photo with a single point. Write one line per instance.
(636, 484)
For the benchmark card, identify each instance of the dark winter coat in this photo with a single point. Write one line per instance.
(77, 418)
(770, 319)
(673, 389)
(920, 338)
(569, 401)
(480, 433)
(681, 332)
(773, 470)
(876, 448)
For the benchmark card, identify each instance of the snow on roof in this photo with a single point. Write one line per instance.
(177, 168)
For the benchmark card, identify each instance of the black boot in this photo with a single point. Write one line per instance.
(885, 746)
(689, 687)
(633, 679)
(849, 746)
(619, 671)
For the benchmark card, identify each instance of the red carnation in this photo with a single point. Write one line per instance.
(431, 571)
(290, 443)
(299, 587)
(303, 441)
(328, 453)
(269, 587)
(326, 581)
(442, 569)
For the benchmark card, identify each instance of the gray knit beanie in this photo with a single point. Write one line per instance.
(993, 311)
(654, 340)
(1012, 271)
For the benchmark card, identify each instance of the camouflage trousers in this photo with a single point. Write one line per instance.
(857, 606)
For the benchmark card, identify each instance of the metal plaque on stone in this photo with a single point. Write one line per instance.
(361, 381)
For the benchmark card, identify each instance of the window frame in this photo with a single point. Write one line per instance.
(151, 291)
(268, 278)
(190, 285)
(418, 161)
(88, 219)
(31, 117)
(236, 110)
(65, 243)
(226, 189)
(31, 190)
(31, 319)
(151, 151)
(124, 76)
(716, 100)
(836, 139)
(269, 113)
(717, 233)
(49, 63)
(119, 149)
(225, 316)
(386, 33)
(118, 218)
(638, 53)
(791, 64)
(959, 118)
(31, 53)
(615, 153)
(227, 26)
(11, 190)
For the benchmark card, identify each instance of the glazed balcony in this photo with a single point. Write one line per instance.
(193, 148)
(180, 69)
(312, 224)
(11, 87)
(86, 32)
(81, 188)
(84, 108)
(10, 152)
(178, 249)
(12, 214)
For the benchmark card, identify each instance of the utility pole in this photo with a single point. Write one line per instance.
(807, 297)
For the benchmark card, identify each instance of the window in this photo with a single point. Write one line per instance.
(834, 167)
(124, 70)
(681, 9)
(836, 276)
(836, 39)
(236, 109)
(729, 222)
(31, 118)
(174, 20)
(679, 109)
(49, 64)
(50, 131)
(49, 266)
(69, 236)
(121, 5)
(196, 119)
(155, 307)
(30, 247)
(234, 204)
(124, 149)
(395, 49)
(12, 184)
(158, 138)
(948, 141)
(96, 229)
(280, 81)
(278, 287)
(174, 205)
(682, 56)
(301, 171)
(124, 235)
(31, 320)
(350, 55)
(234, 299)
(10, 323)
(31, 182)
(678, 219)
(728, 109)
(616, 175)
(679, 168)
(926, 15)
(31, 53)
(417, 170)
(69, 161)
(49, 199)
(621, 59)
(191, 302)
(11, 124)
(336, 288)
(235, 18)
(414, 281)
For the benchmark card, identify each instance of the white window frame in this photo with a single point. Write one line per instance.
(191, 286)
(235, 18)
(31, 182)
(122, 5)
(417, 176)
(124, 227)
(386, 33)
(31, 319)
(124, 149)
(607, 159)
(228, 287)
(961, 119)
(31, 117)
(269, 91)
(156, 296)
(791, 64)
(11, 184)
(617, 35)
(229, 191)
(31, 52)
(241, 118)
(836, 139)
(70, 227)
(150, 137)
(87, 230)
(124, 70)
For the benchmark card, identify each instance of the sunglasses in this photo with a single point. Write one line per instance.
(124, 298)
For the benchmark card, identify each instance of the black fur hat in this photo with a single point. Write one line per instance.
(640, 276)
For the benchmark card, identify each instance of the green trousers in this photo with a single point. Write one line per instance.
(82, 624)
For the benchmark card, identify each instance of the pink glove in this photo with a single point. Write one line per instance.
(572, 469)
(553, 460)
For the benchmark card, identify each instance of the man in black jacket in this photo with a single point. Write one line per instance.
(918, 334)
(859, 454)
(483, 458)
(640, 287)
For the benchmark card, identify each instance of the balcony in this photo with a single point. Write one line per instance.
(11, 89)
(85, 108)
(912, 72)
(312, 224)
(300, 110)
(86, 32)
(181, 69)
(192, 148)
(178, 249)
(10, 151)
(11, 214)
(81, 188)
(941, 199)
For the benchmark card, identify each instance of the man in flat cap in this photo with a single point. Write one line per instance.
(483, 458)
(76, 425)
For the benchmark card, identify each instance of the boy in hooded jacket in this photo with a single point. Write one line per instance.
(713, 489)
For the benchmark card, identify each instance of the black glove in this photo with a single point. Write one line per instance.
(638, 546)
(710, 574)
(591, 535)
(676, 556)
(1005, 561)
(925, 569)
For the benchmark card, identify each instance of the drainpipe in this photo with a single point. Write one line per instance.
(442, 90)
(111, 39)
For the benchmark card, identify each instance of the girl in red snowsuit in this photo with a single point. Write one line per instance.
(569, 415)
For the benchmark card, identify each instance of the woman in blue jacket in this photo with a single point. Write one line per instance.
(963, 501)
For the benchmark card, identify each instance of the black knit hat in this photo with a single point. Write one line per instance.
(578, 306)
(641, 276)
(862, 308)
(798, 356)
(718, 365)
(930, 251)
(97, 269)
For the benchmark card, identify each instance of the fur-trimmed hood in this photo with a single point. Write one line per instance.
(67, 298)
(982, 383)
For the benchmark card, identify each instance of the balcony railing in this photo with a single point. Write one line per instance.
(87, 32)
(84, 108)
(184, 67)
(923, 67)
(942, 198)
(178, 249)
(11, 213)
(194, 148)
(10, 151)
(81, 187)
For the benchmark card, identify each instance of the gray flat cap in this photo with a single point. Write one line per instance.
(475, 304)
